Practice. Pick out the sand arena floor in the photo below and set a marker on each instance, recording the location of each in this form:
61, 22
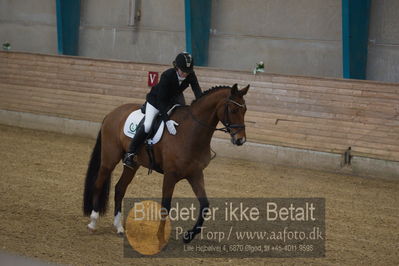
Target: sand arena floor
41, 186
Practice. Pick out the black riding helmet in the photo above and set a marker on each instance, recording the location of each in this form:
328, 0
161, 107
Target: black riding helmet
185, 62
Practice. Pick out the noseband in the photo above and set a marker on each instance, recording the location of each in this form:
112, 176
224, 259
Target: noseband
228, 127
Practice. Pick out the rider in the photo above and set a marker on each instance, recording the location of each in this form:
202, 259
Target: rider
165, 94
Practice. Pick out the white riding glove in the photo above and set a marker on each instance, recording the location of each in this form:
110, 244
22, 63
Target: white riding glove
170, 124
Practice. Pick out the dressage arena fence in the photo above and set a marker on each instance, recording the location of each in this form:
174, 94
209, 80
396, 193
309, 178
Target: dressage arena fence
323, 123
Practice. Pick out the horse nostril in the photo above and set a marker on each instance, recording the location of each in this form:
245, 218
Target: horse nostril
241, 141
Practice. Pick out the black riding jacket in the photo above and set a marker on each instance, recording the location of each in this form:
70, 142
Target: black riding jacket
165, 93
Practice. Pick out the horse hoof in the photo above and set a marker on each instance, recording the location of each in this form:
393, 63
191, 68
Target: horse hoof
91, 230
188, 237
187, 240
120, 231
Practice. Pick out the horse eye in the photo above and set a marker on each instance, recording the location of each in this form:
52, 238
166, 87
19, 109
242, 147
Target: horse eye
234, 111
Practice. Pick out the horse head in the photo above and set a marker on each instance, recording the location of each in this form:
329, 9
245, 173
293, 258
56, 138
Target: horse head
232, 112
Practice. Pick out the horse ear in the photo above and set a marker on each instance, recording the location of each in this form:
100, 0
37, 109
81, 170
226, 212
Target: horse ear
234, 89
244, 91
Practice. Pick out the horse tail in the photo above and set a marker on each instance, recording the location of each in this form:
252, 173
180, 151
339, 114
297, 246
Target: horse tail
91, 178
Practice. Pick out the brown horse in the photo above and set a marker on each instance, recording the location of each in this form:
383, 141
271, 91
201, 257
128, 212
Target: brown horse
184, 155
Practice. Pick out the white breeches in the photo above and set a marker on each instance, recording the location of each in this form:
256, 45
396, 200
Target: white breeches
150, 113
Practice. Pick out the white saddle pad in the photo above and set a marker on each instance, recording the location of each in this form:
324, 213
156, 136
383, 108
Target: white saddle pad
133, 120
132, 123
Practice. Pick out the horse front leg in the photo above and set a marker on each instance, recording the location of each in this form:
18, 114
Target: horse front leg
197, 184
169, 182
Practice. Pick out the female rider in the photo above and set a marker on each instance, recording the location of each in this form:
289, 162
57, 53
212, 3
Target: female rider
162, 96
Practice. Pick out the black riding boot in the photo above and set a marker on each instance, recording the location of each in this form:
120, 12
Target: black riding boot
134, 147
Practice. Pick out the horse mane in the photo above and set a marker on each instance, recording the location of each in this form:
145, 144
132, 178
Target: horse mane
210, 91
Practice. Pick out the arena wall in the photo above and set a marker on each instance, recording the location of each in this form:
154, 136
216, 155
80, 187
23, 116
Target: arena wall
291, 37
299, 121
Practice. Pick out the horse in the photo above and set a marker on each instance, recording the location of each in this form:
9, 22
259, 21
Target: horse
181, 156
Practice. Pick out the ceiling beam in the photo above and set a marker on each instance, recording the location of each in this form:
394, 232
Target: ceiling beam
68, 22
198, 21
355, 34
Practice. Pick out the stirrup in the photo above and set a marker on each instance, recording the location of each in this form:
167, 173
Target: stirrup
128, 160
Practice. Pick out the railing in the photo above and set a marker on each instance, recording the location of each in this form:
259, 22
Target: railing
320, 114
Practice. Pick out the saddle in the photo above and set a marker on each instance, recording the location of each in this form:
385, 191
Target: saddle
135, 120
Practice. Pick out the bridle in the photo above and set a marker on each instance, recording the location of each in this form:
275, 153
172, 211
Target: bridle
228, 127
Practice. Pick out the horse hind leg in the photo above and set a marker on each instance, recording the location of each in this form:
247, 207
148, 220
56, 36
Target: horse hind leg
100, 196
120, 190
101, 187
